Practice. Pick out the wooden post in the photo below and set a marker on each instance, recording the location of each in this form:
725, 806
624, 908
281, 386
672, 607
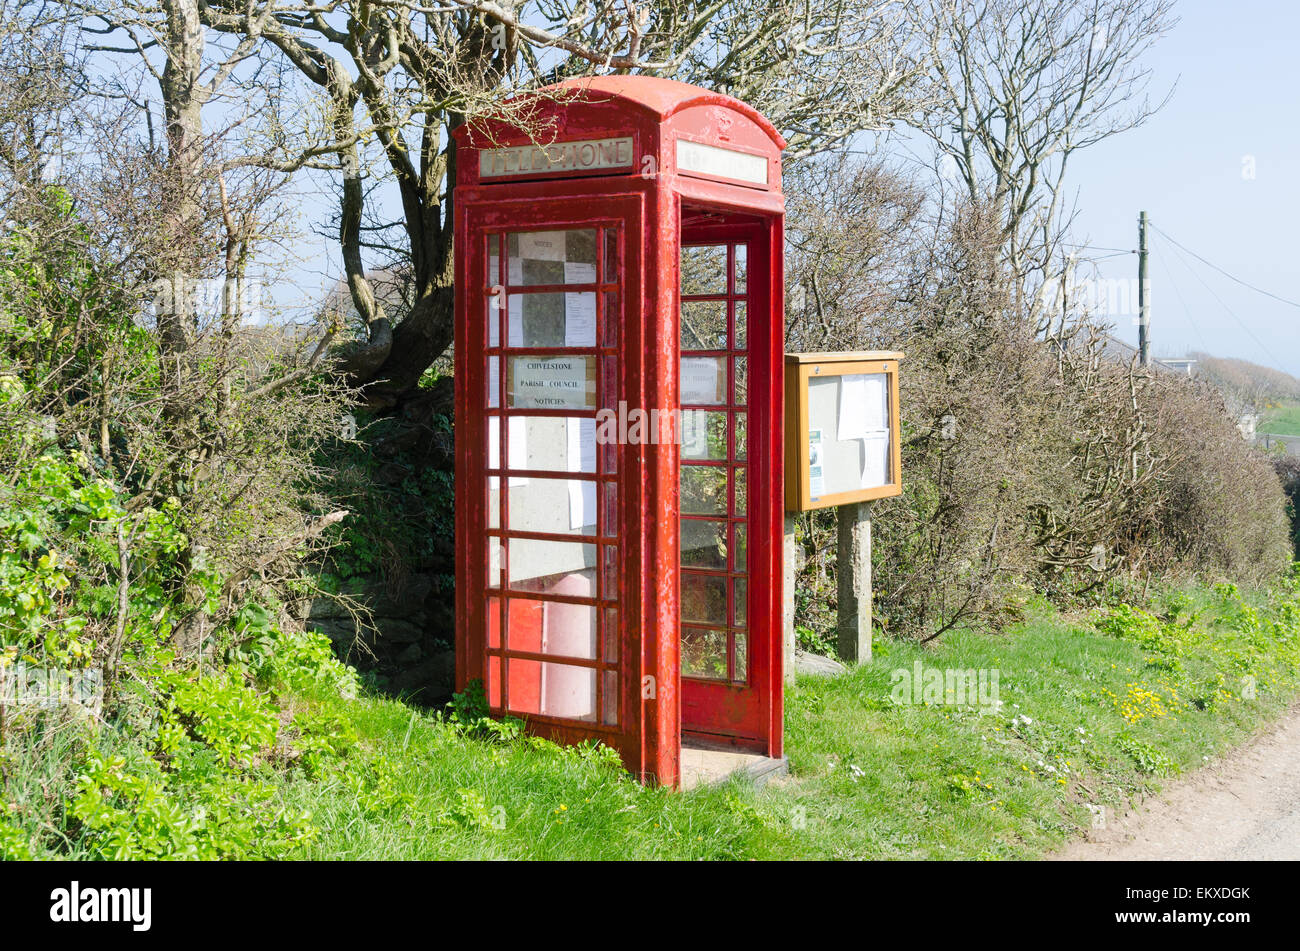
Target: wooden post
791, 571
853, 577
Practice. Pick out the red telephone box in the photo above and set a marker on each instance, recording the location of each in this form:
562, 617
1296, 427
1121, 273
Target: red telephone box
619, 343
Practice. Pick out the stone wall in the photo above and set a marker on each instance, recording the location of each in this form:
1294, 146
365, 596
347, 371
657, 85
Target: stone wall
398, 622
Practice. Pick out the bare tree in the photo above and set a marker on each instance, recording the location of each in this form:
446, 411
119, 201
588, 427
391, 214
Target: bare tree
821, 72
1022, 85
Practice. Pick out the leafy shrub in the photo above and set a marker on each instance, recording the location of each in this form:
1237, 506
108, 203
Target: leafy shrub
1146, 757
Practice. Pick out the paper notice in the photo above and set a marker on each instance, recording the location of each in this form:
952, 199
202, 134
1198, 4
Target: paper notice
877, 402
552, 382
701, 380
580, 319
853, 407
581, 455
542, 245
862, 406
579, 272
875, 465
581, 458
816, 478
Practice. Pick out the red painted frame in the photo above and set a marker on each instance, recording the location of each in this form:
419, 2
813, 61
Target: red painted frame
647, 200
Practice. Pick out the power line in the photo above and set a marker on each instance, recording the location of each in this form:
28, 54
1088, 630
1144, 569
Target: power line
1268, 355
1258, 290
1187, 311
1094, 247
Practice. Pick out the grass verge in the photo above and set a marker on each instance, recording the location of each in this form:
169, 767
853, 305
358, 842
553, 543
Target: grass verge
1282, 421
1093, 711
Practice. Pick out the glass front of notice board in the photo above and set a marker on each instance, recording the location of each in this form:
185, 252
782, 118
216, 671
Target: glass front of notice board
848, 434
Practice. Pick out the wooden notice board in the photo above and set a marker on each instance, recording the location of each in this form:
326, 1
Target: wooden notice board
842, 428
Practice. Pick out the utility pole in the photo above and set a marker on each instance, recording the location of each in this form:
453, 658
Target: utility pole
1144, 305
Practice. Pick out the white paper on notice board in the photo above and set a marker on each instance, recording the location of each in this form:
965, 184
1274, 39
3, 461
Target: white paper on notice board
877, 402
581, 458
816, 478
853, 407
862, 405
875, 465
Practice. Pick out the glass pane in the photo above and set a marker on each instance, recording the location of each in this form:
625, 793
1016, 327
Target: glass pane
496, 558
742, 267
493, 504
704, 599
548, 443
704, 325
704, 269
551, 382
552, 257
493, 275
494, 382
703, 380
524, 625
552, 320
742, 381
740, 671
742, 436
611, 635
703, 490
552, 627
494, 622
494, 683
741, 327
704, 543
547, 567
553, 506
609, 581
704, 434
739, 592
609, 381
739, 489
554, 690
704, 654
609, 514
611, 317
609, 698
738, 550
493, 320
608, 450
611, 255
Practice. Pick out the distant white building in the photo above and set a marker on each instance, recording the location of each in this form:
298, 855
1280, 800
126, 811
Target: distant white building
1181, 364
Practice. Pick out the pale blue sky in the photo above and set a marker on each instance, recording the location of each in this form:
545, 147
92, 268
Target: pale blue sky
1237, 68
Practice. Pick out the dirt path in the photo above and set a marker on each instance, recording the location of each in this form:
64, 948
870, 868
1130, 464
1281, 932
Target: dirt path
1244, 806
